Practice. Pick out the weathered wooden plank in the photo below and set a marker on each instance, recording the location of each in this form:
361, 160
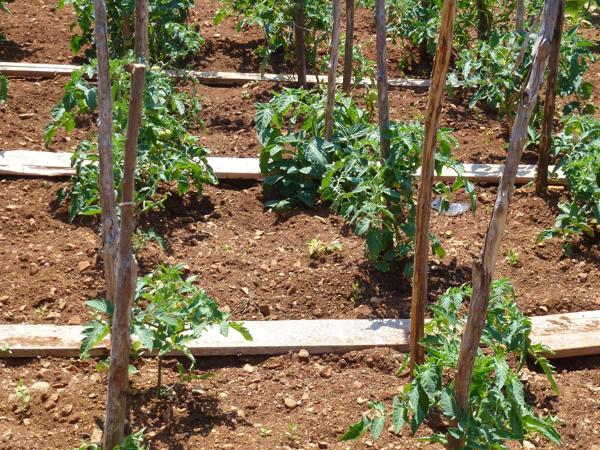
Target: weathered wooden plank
573, 334
208, 77
38, 163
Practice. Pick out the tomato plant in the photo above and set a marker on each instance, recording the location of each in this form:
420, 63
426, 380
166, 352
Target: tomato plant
578, 149
377, 197
169, 36
168, 312
169, 157
498, 409
276, 19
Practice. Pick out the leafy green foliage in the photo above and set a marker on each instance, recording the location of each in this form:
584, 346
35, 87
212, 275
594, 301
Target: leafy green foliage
134, 441
169, 157
578, 147
375, 196
498, 411
276, 19
22, 398
294, 154
169, 37
3, 6
3, 89
168, 312
487, 70
378, 198
318, 248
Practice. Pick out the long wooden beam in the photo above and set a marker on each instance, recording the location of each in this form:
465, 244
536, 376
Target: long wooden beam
567, 335
208, 77
48, 164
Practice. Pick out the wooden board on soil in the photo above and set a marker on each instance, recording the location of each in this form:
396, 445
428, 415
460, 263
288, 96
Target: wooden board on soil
209, 77
567, 335
37, 163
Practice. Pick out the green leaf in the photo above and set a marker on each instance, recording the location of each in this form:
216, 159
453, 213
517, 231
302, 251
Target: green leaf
240, 328
101, 305
398, 414
93, 333
377, 425
356, 430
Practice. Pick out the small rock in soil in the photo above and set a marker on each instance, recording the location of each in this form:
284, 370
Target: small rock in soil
33, 269
6, 436
290, 403
303, 355
40, 386
323, 445
265, 310
248, 368
528, 445
97, 436
326, 372
83, 265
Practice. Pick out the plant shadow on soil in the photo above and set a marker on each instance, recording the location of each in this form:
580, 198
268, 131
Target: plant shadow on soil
12, 51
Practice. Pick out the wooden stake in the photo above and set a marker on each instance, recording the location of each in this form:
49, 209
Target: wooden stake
541, 181
519, 16
110, 231
334, 50
483, 269
141, 30
299, 25
118, 377
382, 84
432, 120
349, 47
484, 20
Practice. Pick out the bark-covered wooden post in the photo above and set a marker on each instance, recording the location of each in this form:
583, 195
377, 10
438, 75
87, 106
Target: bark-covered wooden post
334, 50
483, 269
118, 377
541, 181
348, 46
382, 81
519, 16
432, 119
299, 26
141, 30
110, 227
484, 20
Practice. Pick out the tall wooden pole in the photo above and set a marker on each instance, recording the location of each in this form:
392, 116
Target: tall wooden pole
519, 16
141, 30
349, 46
299, 26
334, 51
382, 82
484, 268
541, 181
118, 377
432, 120
110, 230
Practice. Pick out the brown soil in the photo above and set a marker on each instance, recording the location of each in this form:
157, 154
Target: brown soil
258, 264
242, 407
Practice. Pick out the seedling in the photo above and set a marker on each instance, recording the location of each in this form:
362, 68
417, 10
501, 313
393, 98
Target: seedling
318, 248
265, 432
512, 257
292, 432
22, 398
142, 238
168, 312
134, 441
